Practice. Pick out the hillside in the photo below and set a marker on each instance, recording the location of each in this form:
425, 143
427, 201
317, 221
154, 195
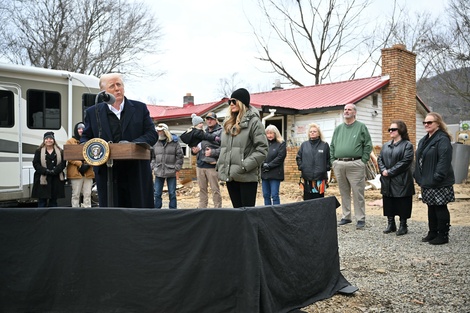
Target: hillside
436, 93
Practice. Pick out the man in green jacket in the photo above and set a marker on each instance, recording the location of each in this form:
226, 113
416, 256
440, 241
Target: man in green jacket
350, 150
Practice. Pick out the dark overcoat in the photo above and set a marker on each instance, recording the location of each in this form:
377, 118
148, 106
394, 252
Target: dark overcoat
55, 187
397, 159
132, 179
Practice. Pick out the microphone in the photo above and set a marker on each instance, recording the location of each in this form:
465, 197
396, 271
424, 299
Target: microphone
107, 97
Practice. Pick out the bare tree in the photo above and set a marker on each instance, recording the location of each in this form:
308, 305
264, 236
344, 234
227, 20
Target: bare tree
317, 33
448, 50
85, 36
228, 85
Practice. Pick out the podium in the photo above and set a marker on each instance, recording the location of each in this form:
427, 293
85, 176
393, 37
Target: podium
117, 151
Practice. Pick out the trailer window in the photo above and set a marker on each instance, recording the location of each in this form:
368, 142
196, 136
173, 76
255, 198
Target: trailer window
43, 109
7, 112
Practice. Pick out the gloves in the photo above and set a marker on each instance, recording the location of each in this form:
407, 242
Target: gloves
50, 172
266, 167
83, 168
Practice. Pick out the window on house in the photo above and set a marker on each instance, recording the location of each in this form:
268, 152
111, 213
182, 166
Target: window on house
375, 100
7, 113
43, 109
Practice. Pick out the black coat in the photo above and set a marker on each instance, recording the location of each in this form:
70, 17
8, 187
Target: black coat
313, 160
133, 178
275, 161
55, 187
435, 154
397, 159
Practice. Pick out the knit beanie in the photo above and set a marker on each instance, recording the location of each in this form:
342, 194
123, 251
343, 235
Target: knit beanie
49, 135
243, 95
196, 119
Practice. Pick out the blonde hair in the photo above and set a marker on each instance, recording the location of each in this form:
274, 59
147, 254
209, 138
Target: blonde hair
315, 125
273, 129
232, 121
105, 77
440, 122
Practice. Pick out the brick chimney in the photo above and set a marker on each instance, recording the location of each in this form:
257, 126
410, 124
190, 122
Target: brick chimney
188, 100
399, 97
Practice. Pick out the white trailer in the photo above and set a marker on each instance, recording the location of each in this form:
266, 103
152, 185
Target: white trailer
33, 101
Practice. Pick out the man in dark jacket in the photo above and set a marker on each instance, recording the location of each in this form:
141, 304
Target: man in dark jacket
207, 154
123, 121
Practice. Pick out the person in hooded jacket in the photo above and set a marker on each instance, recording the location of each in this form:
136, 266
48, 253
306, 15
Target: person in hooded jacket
79, 173
167, 161
434, 174
49, 163
273, 167
207, 152
397, 185
313, 161
243, 149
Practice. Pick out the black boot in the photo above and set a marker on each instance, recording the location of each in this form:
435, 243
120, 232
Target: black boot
391, 226
442, 233
403, 227
430, 236
432, 223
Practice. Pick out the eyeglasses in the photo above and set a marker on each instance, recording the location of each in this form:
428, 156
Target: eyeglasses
392, 129
428, 122
232, 101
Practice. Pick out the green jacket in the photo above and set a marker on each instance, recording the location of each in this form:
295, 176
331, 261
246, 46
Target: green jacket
242, 155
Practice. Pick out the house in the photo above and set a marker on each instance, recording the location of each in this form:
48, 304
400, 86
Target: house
379, 100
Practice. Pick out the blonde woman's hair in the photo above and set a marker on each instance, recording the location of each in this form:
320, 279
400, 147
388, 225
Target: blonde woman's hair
440, 122
315, 125
232, 121
273, 129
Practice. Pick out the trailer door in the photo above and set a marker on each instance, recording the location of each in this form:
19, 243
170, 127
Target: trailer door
10, 141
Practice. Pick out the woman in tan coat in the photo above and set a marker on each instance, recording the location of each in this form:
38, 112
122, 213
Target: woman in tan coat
79, 173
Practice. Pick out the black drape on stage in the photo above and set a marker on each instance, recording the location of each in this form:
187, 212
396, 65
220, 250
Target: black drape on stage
263, 259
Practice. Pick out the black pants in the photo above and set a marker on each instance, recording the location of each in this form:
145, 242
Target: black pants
242, 194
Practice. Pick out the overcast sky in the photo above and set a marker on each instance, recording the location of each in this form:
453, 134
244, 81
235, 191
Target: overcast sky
208, 40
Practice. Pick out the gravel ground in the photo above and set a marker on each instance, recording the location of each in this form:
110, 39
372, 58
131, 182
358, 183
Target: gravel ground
401, 274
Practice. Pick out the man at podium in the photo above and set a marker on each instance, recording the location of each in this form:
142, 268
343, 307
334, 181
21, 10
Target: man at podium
120, 120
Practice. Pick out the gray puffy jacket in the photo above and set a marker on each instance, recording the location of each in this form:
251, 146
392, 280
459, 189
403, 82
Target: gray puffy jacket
242, 155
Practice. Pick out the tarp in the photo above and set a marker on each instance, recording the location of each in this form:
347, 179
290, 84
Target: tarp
263, 259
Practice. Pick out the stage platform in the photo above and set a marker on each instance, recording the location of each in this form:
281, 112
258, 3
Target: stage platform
263, 259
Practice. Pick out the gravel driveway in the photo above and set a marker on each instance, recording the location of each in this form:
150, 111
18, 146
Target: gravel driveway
401, 274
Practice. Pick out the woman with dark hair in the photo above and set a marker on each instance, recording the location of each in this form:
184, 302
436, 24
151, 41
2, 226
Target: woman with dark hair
49, 180
397, 185
243, 149
434, 174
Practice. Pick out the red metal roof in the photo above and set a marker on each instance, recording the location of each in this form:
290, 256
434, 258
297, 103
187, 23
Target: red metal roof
320, 96
168, 112
301, 98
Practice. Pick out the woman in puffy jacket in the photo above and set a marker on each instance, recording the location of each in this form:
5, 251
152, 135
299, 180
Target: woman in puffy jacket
397, 185
243, 149
313, 161
273, 167
434, 174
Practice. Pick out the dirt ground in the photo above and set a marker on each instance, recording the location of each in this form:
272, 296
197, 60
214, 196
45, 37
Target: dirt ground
188, 195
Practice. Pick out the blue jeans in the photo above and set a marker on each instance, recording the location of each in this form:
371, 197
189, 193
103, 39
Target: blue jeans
42, 203
271, 191
171, 183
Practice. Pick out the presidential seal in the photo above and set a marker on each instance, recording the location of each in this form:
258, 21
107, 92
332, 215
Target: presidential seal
96, 151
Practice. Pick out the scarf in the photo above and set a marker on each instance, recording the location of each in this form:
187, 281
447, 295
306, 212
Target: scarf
43, 178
